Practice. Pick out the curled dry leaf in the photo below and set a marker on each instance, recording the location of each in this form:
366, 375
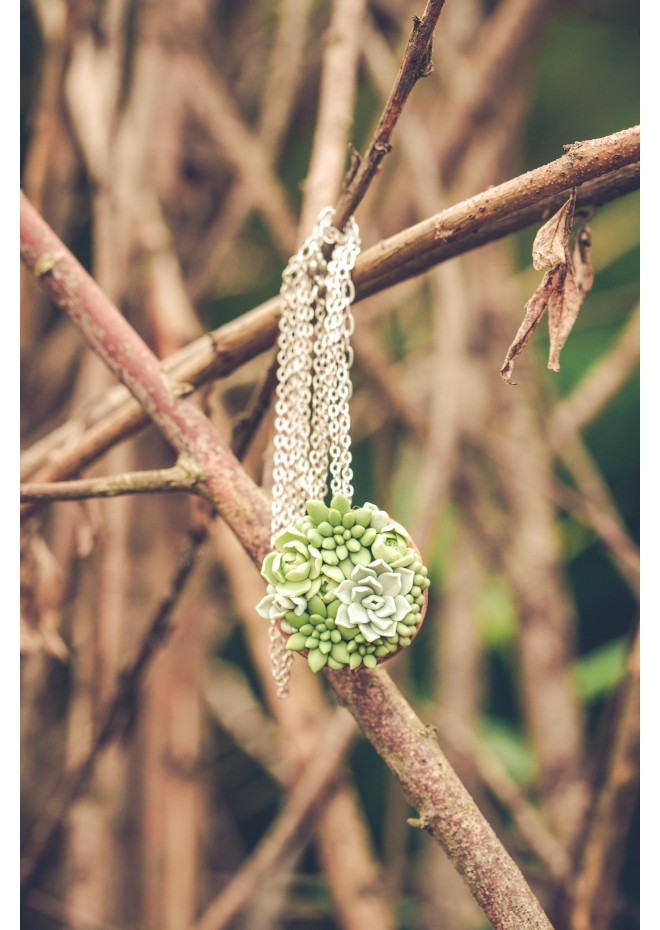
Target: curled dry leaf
552, 284
551, 241
562, 289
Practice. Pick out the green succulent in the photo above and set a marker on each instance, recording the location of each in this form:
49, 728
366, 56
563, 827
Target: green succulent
345, 585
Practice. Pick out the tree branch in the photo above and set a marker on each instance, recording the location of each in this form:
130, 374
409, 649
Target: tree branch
416, 64
446, 809
156, 481
488, 216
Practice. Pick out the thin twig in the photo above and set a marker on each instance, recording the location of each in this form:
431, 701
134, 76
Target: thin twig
415, 65
115, 717
155, 481
79, 442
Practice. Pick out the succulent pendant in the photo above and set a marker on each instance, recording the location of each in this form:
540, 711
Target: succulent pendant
347, 588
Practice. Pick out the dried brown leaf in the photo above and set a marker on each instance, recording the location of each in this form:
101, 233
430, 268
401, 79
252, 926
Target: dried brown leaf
581, 258
551, 243
563, 307
552, 282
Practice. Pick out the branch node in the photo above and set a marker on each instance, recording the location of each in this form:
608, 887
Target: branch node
46, 263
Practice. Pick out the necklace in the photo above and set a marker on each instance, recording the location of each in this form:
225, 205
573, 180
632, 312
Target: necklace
347, 587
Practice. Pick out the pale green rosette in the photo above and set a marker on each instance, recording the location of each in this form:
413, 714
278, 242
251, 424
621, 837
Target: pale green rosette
345, 585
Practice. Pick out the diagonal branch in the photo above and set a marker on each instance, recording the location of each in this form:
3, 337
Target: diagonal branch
412, 752
607, 168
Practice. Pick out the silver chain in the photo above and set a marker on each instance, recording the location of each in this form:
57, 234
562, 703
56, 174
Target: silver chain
312, 418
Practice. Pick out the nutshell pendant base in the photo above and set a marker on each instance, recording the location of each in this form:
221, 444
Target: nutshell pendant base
347, 587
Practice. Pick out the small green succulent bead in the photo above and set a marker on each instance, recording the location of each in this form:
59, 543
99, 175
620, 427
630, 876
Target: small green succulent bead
369, 536
332, 663
317, 511
328, 543
382, 651
311, 642
295, 642
363, 557
352, 545
359, 637
333, 609
336, 574
370, 661
424, 571
317, 620
342, 553
393, 640
371, 649
426, 583
324, 635
314, 537
334, 517
405, 641
325, 528
420, 600
357, 531
348, 519
335, 636
351, 646
363, 516
346, 567
307, 629
418, 579
316, 606
362, 650
341, 504
415, 590
340, 652
325, 647
392, 647
316, 660
330, 556
355, 660
296, 620
415, 609
351, 633
403, 629
330, 624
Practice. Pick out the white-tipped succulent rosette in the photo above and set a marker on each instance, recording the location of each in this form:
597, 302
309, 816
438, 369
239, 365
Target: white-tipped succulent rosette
347, 587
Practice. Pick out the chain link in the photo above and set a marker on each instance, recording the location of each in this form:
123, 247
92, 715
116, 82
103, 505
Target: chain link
312, 418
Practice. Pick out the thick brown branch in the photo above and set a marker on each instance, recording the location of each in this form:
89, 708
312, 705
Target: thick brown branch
446, 809
488, 216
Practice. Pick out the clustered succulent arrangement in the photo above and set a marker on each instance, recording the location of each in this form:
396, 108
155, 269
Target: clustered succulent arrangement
346, 586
